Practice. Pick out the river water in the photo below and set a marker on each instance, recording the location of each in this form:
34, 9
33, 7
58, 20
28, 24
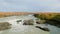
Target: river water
25, 29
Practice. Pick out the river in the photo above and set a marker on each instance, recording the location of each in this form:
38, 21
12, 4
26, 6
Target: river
26, 29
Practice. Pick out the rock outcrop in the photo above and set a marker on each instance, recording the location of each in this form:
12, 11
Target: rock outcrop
28, 22
18, 21
45, 29
40, 21
4, 25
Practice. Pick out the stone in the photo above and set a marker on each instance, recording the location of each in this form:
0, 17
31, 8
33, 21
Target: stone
45, 29
28, 22
4, 25
18, 21
38, 21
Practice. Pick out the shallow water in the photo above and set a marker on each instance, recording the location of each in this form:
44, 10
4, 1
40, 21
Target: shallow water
25, 29
54, 29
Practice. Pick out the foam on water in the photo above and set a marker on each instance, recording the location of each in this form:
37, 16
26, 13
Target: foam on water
20, 28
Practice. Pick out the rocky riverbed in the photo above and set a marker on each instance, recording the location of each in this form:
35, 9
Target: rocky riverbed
19, 28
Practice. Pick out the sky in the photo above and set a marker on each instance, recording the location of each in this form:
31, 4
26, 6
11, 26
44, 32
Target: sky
29, 5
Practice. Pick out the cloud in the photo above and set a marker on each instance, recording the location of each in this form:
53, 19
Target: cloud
30, 5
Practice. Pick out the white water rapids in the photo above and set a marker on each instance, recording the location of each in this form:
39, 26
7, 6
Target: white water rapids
19, 28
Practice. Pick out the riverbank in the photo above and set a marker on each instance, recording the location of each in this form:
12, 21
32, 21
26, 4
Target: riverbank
52, 19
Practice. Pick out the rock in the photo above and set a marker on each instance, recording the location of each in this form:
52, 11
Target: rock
28, 22
45, 29
18, 21
4, 25
38, 21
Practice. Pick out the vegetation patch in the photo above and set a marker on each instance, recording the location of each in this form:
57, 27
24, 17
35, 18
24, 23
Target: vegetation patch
52, 19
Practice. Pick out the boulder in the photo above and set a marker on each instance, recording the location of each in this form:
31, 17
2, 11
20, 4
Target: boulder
4, 25
28, 22
18, 21
38, 21
45, 29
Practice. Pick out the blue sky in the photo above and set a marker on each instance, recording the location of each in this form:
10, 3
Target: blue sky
30, 5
